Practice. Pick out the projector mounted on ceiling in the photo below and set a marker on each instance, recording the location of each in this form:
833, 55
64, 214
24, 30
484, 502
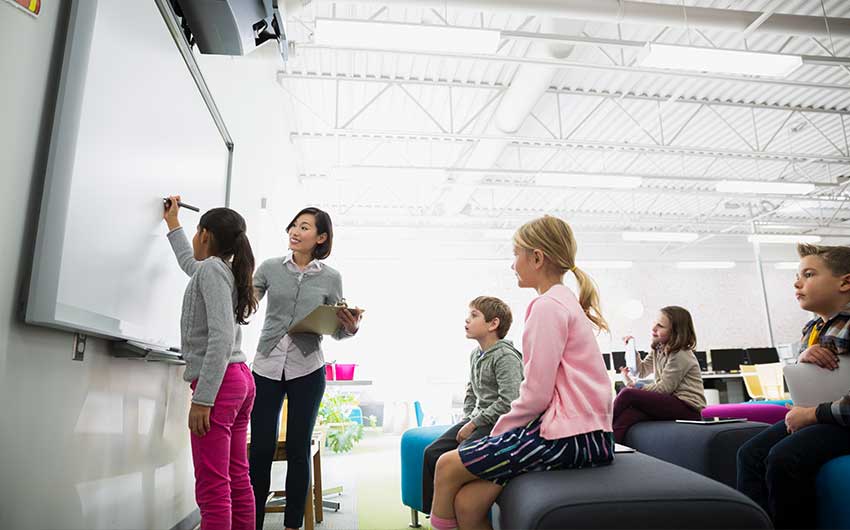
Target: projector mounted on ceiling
231, 27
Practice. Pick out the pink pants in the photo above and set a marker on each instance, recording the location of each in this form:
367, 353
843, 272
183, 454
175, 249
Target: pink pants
222, 486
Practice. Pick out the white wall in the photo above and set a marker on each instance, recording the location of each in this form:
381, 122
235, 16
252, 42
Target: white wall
83, 445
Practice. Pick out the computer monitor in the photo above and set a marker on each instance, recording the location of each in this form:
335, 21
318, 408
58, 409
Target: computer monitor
727, 360
607, 358
702, 360
762, 355
619, 359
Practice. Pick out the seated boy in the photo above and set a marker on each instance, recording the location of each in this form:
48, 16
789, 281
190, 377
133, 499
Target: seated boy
495, 376
777, 468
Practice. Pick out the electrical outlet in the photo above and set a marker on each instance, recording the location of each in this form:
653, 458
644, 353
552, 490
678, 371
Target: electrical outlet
79, 346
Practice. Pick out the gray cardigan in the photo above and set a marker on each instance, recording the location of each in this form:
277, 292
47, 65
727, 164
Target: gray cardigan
209, 337
291, 298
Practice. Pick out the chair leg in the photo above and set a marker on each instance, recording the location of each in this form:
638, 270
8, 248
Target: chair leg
317, 486
309, 517
414, 518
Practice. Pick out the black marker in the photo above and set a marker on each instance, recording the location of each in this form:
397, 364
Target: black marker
167, 202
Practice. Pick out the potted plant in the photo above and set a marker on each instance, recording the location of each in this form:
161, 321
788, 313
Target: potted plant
342, 433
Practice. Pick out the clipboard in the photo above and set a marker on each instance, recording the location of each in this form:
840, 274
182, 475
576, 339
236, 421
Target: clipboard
322, 320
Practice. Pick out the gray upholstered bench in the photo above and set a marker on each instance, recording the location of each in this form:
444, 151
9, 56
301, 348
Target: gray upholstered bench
636, 491
710, 450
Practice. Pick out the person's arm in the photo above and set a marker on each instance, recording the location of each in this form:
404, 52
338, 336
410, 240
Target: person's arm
544, 339
671, 376
216, 292
261, 282
177, 237
469, 401
646, 365
508, 379
183, 251
837, 412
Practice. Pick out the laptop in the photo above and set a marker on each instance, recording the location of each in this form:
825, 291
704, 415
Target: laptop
811, 385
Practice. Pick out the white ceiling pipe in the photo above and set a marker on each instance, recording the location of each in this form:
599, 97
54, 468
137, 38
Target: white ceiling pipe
527, 87
630, 12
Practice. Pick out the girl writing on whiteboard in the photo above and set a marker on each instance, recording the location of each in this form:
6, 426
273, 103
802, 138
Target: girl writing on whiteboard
677, 393
292, 365
218, 299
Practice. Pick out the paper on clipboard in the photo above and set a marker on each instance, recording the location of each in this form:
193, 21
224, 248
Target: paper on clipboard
631, 356
321, 321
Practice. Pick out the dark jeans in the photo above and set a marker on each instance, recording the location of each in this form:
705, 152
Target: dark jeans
442, 445
305, 396
633, 406
777, 470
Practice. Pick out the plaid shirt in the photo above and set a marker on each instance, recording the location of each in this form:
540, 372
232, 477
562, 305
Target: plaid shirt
834, 335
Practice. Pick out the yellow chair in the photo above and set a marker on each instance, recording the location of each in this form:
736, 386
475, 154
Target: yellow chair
770, 377
752, 381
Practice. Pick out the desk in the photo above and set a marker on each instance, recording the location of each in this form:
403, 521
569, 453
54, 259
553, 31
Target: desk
730, 386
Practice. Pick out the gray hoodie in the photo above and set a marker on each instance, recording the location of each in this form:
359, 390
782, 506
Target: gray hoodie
494, 379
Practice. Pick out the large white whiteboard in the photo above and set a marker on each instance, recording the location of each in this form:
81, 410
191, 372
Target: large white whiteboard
130, 127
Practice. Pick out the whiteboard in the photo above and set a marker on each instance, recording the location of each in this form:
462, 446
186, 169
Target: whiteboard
131, 126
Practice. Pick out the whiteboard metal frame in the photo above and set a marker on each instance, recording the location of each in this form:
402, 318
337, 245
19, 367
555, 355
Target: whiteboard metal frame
42, 300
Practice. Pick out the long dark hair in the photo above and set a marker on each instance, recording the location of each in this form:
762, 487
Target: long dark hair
230, 241
323, 226
683, 336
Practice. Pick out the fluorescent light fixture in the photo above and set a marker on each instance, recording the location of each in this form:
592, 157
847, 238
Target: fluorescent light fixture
782, 238
605, 264
705, 265
716, 60
572, 180
664, 237
778, 188
408, 37
787, 265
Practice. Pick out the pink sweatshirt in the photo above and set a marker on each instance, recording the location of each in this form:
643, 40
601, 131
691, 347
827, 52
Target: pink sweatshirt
565, 377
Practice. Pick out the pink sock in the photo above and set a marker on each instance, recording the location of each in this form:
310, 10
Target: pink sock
438, 523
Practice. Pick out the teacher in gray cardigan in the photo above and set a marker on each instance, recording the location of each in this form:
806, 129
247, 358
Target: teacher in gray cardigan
292, 365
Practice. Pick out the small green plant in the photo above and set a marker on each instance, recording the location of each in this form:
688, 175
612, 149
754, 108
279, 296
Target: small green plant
373, 421
343, 433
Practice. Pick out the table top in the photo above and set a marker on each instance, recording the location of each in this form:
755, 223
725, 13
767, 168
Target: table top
356, 382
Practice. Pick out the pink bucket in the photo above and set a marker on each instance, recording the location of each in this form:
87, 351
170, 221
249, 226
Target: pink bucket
329, 371
344, 372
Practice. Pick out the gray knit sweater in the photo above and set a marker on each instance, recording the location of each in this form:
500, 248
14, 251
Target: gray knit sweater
209, 337
292, 297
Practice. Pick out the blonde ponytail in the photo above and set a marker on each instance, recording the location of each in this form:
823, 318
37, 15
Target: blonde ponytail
588, 297
555, 239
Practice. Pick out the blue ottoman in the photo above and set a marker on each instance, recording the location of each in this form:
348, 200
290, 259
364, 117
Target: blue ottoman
833, 482
413, 444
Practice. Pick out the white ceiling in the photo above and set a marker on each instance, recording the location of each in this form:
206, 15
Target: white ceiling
409, 121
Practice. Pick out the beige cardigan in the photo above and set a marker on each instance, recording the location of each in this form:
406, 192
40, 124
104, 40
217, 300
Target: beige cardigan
677, 374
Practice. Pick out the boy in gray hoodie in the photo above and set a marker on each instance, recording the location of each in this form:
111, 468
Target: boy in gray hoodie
494, 379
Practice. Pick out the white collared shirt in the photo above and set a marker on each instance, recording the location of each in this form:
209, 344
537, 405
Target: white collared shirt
286, 360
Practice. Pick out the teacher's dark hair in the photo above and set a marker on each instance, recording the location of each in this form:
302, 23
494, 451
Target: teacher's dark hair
323, 226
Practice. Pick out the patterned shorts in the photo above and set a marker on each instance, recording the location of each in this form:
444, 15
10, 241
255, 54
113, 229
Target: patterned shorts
522, 450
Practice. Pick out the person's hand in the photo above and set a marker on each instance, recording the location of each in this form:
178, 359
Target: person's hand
799, 417
350, 319
170, 210
821, 356
199, 419
627, 338
627, 378
465, 432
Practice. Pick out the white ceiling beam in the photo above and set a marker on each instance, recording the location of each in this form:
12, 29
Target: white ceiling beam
681, 99
548, 143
